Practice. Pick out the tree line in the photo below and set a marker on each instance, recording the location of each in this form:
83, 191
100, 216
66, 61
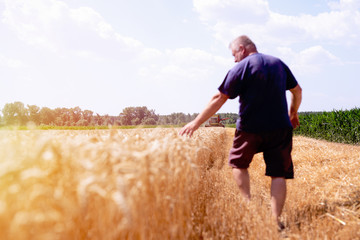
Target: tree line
337, 126
18, 114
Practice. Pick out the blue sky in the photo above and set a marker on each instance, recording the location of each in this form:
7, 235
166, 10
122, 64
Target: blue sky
171, 56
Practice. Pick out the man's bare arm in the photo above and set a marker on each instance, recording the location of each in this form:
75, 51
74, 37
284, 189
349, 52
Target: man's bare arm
296, 97
213, 106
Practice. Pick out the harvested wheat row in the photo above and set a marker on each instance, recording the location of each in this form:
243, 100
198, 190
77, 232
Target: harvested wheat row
134, 184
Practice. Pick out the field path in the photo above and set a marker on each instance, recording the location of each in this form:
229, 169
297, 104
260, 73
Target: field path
323, 201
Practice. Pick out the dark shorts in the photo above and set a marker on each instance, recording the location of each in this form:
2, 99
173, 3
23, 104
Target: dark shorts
275, 145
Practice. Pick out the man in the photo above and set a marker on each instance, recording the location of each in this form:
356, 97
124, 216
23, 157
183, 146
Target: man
265, 125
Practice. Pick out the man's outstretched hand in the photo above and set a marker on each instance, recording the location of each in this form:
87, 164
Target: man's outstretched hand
189, 129
213, 106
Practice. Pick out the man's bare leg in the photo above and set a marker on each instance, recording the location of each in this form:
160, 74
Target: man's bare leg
278, 196
242, 179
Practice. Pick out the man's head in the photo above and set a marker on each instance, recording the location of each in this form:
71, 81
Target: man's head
241, 47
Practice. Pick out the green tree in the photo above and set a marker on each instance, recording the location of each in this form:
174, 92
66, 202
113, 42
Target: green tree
106, 120
136, 115
66, 116
15, 113
47, 116
148, 121
88, 115
75, 115
135, 121
34, 114
62, 116
82, 122
97, 120
163, 120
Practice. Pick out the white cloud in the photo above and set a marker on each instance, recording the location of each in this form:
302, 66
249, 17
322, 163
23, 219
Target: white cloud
130, 42
308, 61
53, 25
31, 20
189, 56
86, 16
232, 10
10, 63
183, 65
185, 76
332, 26
344, 5
230, 18
88, 55
151, 54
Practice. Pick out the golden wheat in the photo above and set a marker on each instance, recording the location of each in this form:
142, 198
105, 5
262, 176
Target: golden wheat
154, 184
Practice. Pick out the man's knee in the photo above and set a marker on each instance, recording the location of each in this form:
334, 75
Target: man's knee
240, 171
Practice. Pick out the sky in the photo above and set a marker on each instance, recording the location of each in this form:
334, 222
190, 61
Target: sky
171, 56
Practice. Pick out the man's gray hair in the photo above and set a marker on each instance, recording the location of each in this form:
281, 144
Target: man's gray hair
242, 40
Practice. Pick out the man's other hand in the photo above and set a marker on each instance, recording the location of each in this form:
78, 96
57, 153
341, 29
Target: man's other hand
294, 119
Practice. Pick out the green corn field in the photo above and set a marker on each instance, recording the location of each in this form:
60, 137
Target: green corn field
337, 126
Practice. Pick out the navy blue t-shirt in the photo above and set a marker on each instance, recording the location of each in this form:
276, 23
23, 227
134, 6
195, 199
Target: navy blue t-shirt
261, 82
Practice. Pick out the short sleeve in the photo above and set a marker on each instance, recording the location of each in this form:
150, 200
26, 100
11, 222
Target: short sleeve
290, 79
231, 85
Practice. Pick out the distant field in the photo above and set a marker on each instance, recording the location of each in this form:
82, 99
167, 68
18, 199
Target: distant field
153, 184
50, 127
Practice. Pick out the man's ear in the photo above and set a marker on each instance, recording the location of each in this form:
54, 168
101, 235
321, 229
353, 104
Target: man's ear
242, 49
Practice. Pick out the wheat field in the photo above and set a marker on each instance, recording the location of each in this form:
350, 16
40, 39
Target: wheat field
154, 184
